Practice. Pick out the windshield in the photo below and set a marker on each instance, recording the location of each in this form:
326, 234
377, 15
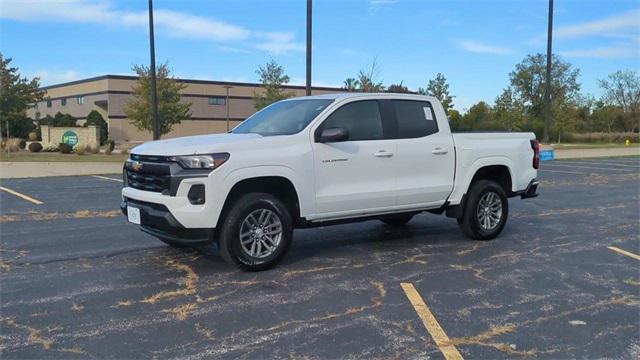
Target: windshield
283, 118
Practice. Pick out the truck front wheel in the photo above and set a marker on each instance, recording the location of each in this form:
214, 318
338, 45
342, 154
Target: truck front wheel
485, 211
256, 232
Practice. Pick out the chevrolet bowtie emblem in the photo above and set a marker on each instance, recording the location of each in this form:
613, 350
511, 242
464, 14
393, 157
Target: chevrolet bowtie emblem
136, 165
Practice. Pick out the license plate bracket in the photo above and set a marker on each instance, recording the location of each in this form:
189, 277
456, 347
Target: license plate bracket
133, 215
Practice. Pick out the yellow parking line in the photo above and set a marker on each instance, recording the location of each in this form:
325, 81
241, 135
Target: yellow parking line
442, 340
22, 196
106, 178
624, 252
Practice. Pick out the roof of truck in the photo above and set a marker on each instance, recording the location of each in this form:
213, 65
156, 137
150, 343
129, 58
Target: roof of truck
340, 96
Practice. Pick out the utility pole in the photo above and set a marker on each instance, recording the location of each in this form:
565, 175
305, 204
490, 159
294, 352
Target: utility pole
152, 68
547, 92
309, 16
226, 101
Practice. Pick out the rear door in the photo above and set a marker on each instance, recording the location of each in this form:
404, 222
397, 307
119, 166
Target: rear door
354, 177
425, 161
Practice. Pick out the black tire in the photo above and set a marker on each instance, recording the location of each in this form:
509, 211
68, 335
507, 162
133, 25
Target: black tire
231, 248
397, 220
470, 224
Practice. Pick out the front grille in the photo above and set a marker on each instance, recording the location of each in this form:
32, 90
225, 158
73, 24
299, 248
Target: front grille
147, 182
149, 173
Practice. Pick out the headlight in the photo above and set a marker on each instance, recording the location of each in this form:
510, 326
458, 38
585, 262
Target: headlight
201, 161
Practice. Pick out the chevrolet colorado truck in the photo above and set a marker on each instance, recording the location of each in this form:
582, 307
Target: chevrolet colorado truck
322, 160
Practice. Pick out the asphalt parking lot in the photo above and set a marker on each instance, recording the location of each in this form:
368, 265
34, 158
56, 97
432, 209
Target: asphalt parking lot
560, 282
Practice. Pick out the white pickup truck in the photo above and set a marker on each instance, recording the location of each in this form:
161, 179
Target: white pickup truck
323, 160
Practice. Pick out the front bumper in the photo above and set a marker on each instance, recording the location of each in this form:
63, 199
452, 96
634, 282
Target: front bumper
158, 221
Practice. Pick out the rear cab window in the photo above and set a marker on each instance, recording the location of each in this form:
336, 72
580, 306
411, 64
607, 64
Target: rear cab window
415, 118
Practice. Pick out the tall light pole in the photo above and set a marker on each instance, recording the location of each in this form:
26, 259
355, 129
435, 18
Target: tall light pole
226, 101
152, 69
309, 13
547, 92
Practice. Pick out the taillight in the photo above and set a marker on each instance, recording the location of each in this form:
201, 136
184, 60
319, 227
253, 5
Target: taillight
535, 145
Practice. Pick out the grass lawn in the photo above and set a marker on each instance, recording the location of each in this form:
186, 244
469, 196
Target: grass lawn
57, 157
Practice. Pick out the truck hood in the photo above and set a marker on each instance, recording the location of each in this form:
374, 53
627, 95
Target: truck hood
190, 145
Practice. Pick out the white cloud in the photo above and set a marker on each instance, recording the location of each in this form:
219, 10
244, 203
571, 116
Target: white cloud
48, 77
610, 26
277, 43
482, 48
616, 51
174, 23
382, 2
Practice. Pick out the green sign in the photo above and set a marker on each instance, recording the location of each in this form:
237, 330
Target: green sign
70, 138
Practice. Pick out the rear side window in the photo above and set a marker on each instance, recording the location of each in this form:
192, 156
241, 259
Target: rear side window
415, 118
361, 118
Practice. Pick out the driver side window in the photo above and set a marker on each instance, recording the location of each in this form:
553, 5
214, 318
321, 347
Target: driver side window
361, 119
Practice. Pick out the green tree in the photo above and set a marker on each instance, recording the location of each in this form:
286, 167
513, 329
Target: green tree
455, 120
95, 118
528, 82
479, 117
508, 111
17, 94
607, 117
398, 88
439, 88
368, 79
350, 84
171, 110
622, 89
272, 77
565, 117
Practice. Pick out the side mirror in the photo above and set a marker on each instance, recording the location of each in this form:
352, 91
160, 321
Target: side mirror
336, 134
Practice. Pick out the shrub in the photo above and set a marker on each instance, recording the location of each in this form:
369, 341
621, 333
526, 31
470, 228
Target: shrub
13, 144
22, 144
94, 118
602, 137
35, 147
59, 120
65, 148
107, 150
33, 136
19, 127
50, 148
94, 149
110, 144
81, 149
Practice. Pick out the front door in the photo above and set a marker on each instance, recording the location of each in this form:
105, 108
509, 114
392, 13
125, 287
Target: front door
355, 177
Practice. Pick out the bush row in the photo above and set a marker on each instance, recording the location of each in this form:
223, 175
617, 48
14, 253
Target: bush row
602, 137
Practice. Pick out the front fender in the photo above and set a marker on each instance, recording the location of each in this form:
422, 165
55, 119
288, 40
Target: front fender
237, 175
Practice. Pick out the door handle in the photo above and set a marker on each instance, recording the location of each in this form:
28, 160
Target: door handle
439, 151
383, 153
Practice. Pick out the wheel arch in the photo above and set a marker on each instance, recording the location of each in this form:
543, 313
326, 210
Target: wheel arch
277, 185
500, 174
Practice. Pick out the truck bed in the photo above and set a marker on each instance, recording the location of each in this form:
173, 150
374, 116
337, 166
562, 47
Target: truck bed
477, 149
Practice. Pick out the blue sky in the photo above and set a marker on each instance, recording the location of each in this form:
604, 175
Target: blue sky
474, 43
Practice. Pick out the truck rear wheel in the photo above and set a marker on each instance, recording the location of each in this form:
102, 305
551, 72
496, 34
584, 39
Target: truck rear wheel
256, 232
485, 211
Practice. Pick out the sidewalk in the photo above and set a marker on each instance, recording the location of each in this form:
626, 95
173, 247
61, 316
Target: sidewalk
14, 170
588, 153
